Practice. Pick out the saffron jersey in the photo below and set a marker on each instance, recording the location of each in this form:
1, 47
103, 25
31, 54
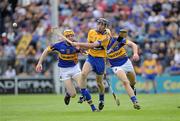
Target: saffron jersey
94, 36
150, 66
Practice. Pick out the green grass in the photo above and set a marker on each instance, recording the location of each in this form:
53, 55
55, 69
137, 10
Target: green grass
161, 107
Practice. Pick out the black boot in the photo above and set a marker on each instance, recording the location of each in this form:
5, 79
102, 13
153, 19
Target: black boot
101, 105
67, 99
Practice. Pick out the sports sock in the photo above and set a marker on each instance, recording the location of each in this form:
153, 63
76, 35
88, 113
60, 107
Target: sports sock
87, 96
133, 99
101, 97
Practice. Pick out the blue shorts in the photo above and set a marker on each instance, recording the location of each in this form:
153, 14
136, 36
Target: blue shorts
150, 76
97, 63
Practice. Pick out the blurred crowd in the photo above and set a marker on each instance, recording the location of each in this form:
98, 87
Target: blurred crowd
153, 24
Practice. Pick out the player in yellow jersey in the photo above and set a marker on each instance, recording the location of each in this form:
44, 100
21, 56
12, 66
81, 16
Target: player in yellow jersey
96, 59
149, 71
119, 61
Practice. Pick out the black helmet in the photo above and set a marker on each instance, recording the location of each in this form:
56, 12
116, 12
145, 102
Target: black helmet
103, 21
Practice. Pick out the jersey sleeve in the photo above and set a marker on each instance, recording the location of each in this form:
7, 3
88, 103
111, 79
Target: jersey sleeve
123, 41
103, 43
90, 36
53, 47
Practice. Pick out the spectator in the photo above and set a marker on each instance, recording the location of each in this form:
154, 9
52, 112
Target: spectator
10, 72
152, 24
149, 73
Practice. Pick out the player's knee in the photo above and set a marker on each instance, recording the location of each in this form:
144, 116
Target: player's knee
100, 85
83, 75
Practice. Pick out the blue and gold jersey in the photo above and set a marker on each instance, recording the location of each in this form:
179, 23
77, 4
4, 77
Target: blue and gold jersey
94, 36
118, 56
67, 54
149, 66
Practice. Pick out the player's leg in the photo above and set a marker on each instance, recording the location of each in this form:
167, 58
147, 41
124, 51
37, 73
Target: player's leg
154, 86
154, 83
83, 83
83, 79
132, 78
99, 79
64, 77
147, 81
71, 91
99, 68
122, 76
129, 69
77, 78
84, 73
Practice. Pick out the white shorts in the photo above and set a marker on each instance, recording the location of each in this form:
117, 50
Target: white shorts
127, 67
69, 73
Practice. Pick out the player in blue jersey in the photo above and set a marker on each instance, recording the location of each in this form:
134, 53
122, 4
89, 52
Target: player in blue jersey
119, 61
69, 69
121, 64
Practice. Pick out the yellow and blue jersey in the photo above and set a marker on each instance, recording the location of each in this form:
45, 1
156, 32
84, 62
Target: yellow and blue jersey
150, 69
118, 55
67, 54
94, 36
149, 66
96, 55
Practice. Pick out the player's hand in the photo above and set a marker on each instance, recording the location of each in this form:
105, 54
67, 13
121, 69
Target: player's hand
107, 37
135, 57
84, 52
74, 43
39, 67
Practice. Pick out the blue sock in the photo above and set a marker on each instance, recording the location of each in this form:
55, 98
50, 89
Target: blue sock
85, 93
93, 107
101, 97
133, 99
87, 97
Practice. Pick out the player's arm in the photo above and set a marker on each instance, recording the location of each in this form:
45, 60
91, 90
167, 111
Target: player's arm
89, 44
135, 50
143, 67
122, 34
119, 39
86, 45
44, 54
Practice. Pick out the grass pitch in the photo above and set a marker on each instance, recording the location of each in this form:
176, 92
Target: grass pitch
160, 107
